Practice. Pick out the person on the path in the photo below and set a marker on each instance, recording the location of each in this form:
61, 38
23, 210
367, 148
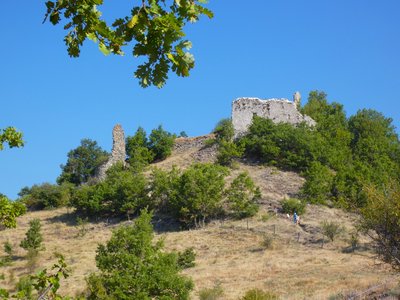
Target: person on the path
295, 218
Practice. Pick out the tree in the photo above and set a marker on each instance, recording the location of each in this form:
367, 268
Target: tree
154, 27
242, 196
46, 195
139, 155
9, 211
199, 194
12, 137
33, 237
82, 163
132, 266
380, 220
161, 143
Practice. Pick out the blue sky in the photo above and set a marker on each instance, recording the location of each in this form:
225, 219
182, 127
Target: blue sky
349, 49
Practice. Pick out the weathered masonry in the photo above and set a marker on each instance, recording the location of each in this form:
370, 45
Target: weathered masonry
118, 153
277, 110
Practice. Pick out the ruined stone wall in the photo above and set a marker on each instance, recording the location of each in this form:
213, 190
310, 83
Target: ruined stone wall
278, 110
118, 153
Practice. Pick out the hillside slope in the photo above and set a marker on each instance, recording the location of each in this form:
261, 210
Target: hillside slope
231, 253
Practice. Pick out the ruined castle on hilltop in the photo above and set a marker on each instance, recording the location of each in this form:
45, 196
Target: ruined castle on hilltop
243, 110
277, 110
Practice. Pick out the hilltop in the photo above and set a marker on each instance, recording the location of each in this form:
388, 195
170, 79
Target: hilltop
235, 254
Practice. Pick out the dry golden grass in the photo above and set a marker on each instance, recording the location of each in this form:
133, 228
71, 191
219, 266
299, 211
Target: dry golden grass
230, 252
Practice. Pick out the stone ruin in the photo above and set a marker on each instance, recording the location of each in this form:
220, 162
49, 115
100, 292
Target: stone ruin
118, 153
277, 110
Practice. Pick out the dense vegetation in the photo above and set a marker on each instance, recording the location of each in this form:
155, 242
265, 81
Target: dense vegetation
193, 196
338, 157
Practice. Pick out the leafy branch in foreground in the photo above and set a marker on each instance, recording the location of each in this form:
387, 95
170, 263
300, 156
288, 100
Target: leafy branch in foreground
46, 284
12, 137
154, 27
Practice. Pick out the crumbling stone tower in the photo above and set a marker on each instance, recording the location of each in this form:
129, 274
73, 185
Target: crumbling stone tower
118, 153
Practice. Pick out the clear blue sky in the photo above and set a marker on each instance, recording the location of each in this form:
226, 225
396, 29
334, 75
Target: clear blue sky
261, 48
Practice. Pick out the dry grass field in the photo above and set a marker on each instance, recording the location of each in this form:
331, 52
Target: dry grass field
237, 255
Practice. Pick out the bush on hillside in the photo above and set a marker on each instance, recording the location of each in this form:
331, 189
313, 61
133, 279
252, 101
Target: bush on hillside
124, 191
242, 196
292, 205
132, 266
199, 194
161, 143
257, 294
331, 229
46, 195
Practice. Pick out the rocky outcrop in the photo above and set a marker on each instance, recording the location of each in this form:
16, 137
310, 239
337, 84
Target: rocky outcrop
118, 153
277, 110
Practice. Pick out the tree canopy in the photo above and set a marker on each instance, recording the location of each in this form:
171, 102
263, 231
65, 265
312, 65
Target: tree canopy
154, 28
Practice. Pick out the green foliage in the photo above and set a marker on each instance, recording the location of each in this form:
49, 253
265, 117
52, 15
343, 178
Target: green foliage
133, 267
242, 196
224, 130
139, 155
46, 196
292, 205
199, 194
12, 137
338, 157
8, 249
318, 187
82, 163
257, 294
283, 145
124, 191
161, 143
228, 151
33, 237
186, 258
155, 28
380, 220
9, 211
213, 293
331, 229
81, 223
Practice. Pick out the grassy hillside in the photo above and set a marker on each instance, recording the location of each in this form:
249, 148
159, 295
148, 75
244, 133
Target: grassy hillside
236, 254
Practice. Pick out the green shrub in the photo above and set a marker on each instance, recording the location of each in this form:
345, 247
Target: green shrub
161, 143
331, 229
132, 266
242, 196
81, 223
257, 294
318, 185
46, 196
227, 152
33, 237
268, 241
186, 258
213, 293
224, 130
292, 205
139, 155
124, 191
8, 249
25, 288
199, 193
